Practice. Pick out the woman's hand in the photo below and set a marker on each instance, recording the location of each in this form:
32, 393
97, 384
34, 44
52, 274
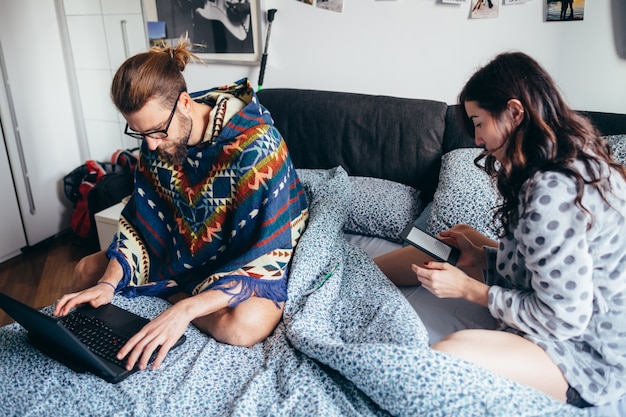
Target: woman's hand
100, 294
447, 281
442, 279
471, 255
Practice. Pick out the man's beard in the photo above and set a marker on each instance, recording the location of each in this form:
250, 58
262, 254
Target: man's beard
177, 153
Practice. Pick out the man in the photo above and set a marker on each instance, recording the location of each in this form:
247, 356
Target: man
216, 211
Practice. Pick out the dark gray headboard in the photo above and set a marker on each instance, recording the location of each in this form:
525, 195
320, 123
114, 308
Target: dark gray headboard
608, 123
398, 139
378, 136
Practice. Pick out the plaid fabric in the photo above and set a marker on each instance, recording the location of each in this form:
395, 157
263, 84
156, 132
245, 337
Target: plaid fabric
231, 214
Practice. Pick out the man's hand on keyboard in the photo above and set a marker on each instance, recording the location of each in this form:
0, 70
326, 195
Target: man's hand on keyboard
96, 296
161, 333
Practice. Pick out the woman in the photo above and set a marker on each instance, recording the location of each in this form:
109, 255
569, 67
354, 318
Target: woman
557, 278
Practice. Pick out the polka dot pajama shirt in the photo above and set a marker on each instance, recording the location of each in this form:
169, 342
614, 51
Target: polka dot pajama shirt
562, 284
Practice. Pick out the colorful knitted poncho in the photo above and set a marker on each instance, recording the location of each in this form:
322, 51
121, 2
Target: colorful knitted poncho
231, 214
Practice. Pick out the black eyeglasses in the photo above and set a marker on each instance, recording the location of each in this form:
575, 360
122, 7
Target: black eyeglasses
155, 134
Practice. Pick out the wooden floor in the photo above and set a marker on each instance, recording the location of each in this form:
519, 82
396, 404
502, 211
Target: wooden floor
40, 275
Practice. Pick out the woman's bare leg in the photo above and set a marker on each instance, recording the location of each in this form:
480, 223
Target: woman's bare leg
397, 264
508, 355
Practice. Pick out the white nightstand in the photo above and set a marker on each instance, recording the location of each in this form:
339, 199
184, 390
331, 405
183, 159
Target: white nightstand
106, 223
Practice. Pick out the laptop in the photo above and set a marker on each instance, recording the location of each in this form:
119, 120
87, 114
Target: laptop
86, 340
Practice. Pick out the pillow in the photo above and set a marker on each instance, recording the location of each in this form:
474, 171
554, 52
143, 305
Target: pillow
312, 177
378, 207
618, 145
381, 208
465, 194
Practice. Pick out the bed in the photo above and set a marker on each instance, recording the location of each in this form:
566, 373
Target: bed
355, 345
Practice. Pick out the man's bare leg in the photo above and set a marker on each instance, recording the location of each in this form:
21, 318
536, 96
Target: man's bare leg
89, 270
250, 322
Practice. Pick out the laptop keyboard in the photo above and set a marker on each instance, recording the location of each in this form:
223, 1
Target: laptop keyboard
96, 335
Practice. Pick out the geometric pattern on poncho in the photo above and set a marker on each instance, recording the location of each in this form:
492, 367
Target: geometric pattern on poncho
231, 214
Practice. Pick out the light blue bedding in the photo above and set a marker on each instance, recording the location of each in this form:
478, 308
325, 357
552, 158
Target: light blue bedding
354, 347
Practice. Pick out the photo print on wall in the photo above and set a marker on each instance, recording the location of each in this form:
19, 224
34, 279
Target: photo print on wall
565, 10
485, 9
332, 5
225, 31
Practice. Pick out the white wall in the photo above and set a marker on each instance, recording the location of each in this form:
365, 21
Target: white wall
426, 49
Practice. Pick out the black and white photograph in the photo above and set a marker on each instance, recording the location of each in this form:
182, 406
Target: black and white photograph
332, 5
221, 30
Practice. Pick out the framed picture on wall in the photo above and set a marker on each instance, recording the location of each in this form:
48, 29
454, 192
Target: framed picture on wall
223, 31
565, 10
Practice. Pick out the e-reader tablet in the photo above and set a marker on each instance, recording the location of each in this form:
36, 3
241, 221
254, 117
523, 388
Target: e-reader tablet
431, 245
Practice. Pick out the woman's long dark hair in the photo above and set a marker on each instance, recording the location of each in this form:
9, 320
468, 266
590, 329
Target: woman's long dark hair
550, 137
